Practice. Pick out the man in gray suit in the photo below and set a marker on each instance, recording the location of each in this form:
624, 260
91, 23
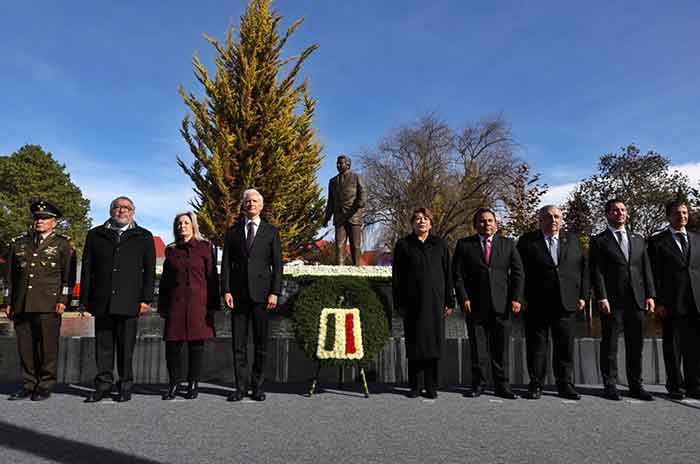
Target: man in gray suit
346, 199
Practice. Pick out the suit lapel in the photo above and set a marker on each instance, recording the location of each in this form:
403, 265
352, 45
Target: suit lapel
611, 242
670, 243
240, 237
563, 246
475, 245
693, 245
543, 247
259, 233
495, 248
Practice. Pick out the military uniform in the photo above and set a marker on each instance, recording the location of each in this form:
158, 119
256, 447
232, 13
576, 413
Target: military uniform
40, 275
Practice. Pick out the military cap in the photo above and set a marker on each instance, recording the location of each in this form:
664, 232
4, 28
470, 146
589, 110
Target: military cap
44, 209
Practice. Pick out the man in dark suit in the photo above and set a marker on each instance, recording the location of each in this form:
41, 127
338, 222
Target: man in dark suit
675, 259
116, 287
40, 278
624, 291
346, 199
488, 276
251, 274
556, 286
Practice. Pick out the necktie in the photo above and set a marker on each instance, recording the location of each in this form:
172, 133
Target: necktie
553, 250
684, 243
251, 235
37, 240
624, 246
487, 250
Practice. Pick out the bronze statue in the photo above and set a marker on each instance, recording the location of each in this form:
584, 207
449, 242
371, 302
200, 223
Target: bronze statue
346, 199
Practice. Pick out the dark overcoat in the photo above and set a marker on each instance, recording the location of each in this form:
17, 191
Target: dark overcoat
118, 273
189, 291
39, 278
422, 288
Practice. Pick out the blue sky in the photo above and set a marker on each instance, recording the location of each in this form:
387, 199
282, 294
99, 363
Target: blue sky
96, 82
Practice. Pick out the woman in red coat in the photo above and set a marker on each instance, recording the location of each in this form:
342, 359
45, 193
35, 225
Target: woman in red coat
188, 297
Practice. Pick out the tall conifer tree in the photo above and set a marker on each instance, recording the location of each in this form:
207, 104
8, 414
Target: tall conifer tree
253, 129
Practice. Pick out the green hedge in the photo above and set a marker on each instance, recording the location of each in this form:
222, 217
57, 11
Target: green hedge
318, 292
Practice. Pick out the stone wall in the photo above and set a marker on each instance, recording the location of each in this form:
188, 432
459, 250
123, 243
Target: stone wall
287, 363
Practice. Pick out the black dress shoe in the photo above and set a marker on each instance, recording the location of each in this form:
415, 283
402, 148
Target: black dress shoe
413, 393
123, 397
610, 392
236, 395
41, 394
171, 393
676, 394
20, 394
477, 390
534, 392
505, 392
693, 393
567, 391
641, 394
97, 395
192, 390
431, 394
258, 396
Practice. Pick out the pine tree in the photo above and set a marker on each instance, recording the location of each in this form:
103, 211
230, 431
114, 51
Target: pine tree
253, 129
31, 173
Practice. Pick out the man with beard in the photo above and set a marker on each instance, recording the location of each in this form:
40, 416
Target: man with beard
116, 288
624, 290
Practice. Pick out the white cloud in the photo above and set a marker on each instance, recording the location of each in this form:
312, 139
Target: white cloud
692, 170
158, 193
557, 194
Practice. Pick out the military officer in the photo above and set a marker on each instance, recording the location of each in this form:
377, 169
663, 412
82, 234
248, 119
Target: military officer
40, 275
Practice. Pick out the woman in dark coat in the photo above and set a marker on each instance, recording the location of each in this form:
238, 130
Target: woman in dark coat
187, 300
422, 288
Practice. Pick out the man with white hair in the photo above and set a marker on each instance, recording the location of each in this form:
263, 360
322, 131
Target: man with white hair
556, 286
251, 279
116, 287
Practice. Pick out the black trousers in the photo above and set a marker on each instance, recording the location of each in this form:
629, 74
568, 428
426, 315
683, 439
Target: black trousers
354, 233
632, 322
245, 314
489, 334
690, 348
175, 355
423, 373
537, 329
115, 334
671, 345
37, 343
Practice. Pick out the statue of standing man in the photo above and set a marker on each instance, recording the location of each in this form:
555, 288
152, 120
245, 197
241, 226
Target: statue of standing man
346, 199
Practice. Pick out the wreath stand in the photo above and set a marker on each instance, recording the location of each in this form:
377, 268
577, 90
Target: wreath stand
363, 378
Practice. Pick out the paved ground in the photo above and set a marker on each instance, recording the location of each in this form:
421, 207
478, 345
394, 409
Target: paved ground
344, 427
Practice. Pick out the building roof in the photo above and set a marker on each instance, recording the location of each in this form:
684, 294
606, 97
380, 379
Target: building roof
160, 246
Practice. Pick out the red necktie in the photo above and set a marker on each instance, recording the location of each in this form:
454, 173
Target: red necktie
487, 250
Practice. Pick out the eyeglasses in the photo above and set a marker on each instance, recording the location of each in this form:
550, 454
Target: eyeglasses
122, 208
